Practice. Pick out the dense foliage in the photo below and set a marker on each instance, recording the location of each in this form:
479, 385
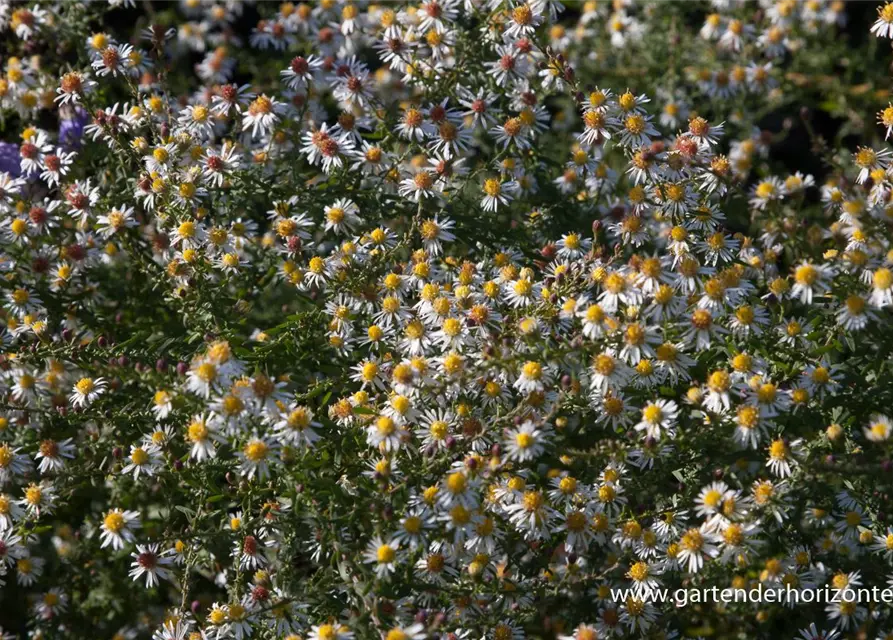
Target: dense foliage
443, 319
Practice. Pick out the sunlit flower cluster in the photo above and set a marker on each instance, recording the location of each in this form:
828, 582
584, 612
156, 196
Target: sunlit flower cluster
442, 320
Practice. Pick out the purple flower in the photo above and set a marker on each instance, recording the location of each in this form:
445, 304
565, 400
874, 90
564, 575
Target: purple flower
71, 130
10, 159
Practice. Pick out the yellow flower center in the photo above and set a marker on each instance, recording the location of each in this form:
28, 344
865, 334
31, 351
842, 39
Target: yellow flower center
882, 279
627, 101
492, 187
197, 431
533, 370
733, 535
778, 450
765, 190
6, 456
139, 456
114, 521
370, 370
385, 426
702, 319
638, 571
692, 540
33, 494
85, 386
524, 440
806, 274
206, 372
256, 450
652, 413
865, 157
635, 124
532, 501
385, 554
719, 381
748, 417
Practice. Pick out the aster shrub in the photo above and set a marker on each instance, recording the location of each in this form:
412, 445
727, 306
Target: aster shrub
484, 319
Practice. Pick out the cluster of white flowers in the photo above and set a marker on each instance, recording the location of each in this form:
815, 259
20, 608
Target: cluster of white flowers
413, 322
